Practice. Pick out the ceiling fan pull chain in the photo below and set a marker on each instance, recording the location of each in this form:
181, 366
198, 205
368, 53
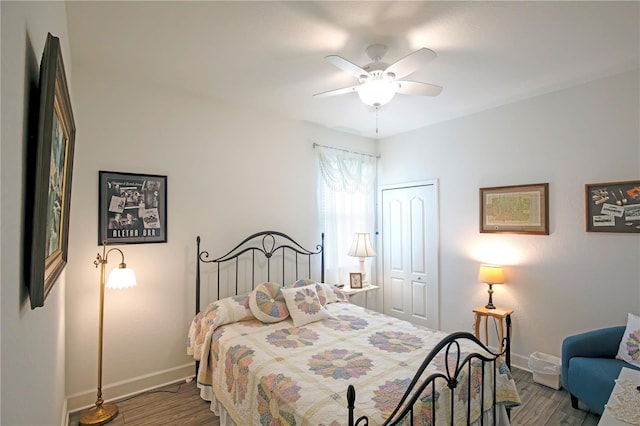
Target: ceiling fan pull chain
377, 121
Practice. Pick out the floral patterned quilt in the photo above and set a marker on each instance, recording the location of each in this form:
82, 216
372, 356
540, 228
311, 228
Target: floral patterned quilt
278, 374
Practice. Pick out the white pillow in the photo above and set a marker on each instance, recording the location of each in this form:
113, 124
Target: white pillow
323, 293
267, 303
304, 305
332, 297
629, 349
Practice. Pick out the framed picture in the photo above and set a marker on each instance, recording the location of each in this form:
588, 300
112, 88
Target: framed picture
355, 280
49, 171
132, 208
517, 209
613, 207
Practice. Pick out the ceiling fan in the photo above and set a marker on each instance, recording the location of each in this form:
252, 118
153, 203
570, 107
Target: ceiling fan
379, 81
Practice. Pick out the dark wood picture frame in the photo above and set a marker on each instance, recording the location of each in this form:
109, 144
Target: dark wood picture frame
132, 208
49, 175
515, 209
613, 207
355, 280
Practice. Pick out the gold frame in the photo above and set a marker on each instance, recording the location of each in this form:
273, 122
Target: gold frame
355, 280
612, 207
515, 209
49, 171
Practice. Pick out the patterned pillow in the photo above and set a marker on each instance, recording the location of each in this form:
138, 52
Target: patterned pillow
303, 282
629, 349
332, 297
304, 305
322, 292
267, 303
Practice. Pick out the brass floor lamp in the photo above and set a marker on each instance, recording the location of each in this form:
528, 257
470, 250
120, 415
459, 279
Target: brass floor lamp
120, 277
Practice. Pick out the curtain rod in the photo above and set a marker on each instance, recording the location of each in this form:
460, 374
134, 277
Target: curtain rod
345, 150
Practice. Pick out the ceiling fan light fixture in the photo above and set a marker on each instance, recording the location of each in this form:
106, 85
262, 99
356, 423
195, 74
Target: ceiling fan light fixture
377, 93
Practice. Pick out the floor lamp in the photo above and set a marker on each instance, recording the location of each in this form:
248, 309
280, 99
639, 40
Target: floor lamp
120, 277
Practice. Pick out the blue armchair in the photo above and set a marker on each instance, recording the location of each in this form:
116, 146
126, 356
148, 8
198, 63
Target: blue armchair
590, 367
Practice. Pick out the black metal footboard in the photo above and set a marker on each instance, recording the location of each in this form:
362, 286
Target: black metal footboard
456, 375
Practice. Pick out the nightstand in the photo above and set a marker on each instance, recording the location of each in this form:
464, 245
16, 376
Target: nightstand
498, 313
348, 291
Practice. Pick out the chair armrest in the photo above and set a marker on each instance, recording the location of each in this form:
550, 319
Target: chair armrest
601, 343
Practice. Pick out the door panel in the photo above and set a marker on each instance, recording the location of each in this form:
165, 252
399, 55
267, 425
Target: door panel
410, 241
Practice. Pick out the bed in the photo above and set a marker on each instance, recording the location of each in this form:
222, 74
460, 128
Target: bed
278, 346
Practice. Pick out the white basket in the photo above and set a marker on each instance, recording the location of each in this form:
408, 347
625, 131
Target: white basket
546, 369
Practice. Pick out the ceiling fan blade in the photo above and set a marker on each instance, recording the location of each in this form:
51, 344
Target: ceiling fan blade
411, 62
346, 66
417, 88
336, 92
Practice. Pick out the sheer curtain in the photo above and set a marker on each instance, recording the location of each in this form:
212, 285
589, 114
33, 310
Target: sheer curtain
346, 195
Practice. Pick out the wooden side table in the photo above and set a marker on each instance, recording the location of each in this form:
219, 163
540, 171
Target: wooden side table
498, 313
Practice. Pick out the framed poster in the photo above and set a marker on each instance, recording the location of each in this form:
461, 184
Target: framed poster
613, 207
49, 172
517, 209
132, 208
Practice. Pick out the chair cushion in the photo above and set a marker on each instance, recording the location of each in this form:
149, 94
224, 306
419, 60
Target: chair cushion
591, 380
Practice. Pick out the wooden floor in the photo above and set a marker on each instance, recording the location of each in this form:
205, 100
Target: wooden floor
180, 404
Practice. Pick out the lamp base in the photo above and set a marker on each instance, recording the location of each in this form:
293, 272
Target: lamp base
490, 306
99, 415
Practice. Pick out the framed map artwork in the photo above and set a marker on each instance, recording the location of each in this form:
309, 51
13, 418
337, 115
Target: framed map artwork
517, 209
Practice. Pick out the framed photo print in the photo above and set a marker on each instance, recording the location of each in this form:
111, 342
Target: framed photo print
132, 208
355, 280
49, 172
613, 207
517, 209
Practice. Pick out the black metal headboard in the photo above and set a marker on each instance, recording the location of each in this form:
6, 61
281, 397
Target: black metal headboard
263, 246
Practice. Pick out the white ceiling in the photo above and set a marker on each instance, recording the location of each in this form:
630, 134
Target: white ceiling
270, 55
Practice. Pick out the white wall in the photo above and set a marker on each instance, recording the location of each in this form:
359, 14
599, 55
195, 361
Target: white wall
231, 172
33, 351
560, 284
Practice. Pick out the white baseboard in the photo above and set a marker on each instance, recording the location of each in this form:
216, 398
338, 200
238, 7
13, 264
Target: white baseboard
129, 387
519, 361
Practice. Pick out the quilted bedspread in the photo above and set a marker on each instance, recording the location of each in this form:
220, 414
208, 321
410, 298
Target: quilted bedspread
278, 374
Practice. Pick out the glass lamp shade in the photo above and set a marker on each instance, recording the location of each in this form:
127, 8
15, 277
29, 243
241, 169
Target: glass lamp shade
491, 274
376, 93
121, 277
361, 246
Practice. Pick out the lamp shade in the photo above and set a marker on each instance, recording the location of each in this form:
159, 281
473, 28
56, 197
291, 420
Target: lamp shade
491, 274
361, 246
121, 277
376, 93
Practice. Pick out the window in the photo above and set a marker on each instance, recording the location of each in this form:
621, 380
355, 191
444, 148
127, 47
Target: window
346, 196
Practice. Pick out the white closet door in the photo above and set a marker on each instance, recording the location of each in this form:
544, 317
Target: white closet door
410, 251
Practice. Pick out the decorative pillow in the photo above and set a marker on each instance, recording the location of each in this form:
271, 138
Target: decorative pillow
303, 282
329, 293
340, 296
320, 289
629, 349
304, 305
267, 303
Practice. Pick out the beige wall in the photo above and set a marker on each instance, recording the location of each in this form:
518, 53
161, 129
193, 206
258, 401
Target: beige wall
560, 284
33, 350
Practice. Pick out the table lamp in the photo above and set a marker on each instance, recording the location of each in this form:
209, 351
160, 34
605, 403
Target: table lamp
491, 274
361, 248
